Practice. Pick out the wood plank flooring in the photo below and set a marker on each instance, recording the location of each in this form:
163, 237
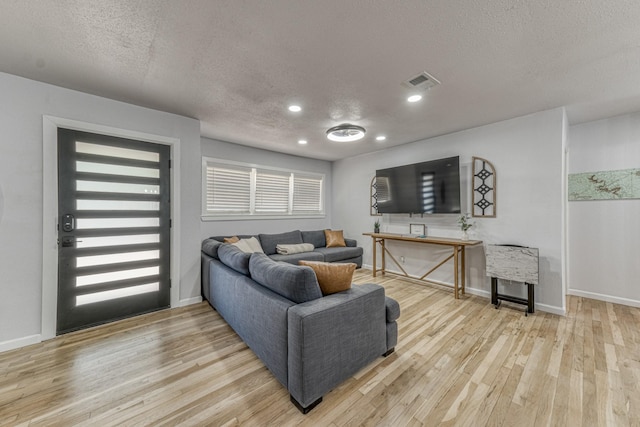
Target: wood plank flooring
457, 363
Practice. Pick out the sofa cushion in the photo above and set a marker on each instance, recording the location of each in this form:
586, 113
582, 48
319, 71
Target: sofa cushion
233, 257
210, 247
339, 254
295, 283
332, 278
334, 238
270, 241
316, 238
234, 239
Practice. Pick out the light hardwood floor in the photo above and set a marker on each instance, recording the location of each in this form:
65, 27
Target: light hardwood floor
456, 363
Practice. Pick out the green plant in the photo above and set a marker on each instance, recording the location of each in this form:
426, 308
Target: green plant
464, 223
376, 225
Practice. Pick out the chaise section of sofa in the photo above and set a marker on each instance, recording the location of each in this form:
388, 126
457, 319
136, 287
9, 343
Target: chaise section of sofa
310, 342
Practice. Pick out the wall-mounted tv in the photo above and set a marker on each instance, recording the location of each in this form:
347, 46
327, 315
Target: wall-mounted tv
427, 187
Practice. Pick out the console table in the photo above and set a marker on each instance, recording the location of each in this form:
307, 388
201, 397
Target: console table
458, 255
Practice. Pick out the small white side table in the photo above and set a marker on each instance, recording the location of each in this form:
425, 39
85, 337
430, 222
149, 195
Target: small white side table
515, 263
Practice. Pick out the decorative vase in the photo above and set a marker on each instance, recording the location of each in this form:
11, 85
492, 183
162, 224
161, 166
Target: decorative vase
465, 235
376, 230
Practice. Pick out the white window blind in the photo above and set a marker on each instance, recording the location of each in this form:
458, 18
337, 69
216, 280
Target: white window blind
232, 189
272, 192
307, 194
228, 190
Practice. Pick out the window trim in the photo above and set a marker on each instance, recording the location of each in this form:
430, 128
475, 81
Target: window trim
210, 216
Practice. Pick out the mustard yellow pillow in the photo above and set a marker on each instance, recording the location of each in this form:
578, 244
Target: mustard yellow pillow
332, 278
334, 238
234, 239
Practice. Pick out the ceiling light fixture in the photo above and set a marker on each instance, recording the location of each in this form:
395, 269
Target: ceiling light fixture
302, 141
295, 108
414, 98
380, 138
345, 133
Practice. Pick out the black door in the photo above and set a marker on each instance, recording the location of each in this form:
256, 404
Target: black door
113, 228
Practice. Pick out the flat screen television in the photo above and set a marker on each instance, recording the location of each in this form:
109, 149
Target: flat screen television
427, 187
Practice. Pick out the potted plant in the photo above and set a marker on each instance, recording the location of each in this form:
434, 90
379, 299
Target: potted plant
376, 226
465, 225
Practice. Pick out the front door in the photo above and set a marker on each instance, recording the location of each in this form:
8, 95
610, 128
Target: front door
113, 228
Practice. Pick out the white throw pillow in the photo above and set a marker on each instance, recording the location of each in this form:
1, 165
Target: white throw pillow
249, 246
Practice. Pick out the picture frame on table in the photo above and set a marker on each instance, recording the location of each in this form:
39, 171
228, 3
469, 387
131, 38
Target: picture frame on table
419, 230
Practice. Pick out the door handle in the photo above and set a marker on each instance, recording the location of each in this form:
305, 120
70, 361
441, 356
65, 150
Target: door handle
69, 241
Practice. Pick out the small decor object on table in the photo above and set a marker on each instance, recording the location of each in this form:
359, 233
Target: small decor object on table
465, 225
418, 230
376, 227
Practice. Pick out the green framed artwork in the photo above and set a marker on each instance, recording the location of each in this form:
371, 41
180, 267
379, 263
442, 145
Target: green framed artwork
605, 185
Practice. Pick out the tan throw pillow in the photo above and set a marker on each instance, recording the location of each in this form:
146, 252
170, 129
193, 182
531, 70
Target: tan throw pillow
233, 239
332, 278
334, 238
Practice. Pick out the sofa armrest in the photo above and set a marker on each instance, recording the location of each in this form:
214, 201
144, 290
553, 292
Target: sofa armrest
332, 338
351, 243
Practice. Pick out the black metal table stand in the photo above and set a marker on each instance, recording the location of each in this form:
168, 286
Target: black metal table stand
497, 297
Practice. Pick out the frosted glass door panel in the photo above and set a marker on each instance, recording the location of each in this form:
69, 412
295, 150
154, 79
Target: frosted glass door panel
87, 223
109, 169
117, 187
90, 261
93, 279
116, 205
116, 293
106, 150
96, 242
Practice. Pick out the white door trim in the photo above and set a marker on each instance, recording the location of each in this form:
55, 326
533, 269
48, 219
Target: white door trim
50, 127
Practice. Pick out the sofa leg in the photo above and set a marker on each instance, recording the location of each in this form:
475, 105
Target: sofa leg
302, 408
391, 350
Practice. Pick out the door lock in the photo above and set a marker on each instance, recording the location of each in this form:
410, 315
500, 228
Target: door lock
68, 223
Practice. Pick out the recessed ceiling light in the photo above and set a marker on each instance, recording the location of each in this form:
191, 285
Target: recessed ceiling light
414, 98
295, 108
380, 138
302, 141
346, 133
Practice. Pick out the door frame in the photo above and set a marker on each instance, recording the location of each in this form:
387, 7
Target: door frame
50, 125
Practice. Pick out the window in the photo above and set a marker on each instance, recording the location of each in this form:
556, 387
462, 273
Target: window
237, 190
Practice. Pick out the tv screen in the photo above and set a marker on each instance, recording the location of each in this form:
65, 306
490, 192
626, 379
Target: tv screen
427, 187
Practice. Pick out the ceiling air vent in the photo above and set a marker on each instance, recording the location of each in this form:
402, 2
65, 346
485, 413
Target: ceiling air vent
422, 81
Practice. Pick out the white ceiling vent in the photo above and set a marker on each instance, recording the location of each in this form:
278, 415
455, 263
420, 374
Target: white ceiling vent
422, 81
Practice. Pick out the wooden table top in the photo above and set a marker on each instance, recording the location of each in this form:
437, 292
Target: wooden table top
428, 239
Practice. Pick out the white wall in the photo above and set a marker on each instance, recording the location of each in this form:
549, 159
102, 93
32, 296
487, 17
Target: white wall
22, 106
604, 235
528, 153
240, 153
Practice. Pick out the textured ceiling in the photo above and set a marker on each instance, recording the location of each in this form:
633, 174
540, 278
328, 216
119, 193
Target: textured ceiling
236, 65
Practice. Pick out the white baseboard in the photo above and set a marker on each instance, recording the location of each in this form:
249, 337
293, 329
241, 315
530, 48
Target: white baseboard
20, 342
487, 294
603, 297
189, 301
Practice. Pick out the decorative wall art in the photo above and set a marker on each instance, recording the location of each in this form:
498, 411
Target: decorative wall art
373, 194
605, 185
483, 199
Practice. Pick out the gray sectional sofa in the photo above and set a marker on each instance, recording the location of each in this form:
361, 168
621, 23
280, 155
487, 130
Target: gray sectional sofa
310, 342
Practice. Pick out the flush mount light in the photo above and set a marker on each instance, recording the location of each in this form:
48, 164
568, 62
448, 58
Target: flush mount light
295, 108
414, 98
380, 138
302, 141
345, 133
